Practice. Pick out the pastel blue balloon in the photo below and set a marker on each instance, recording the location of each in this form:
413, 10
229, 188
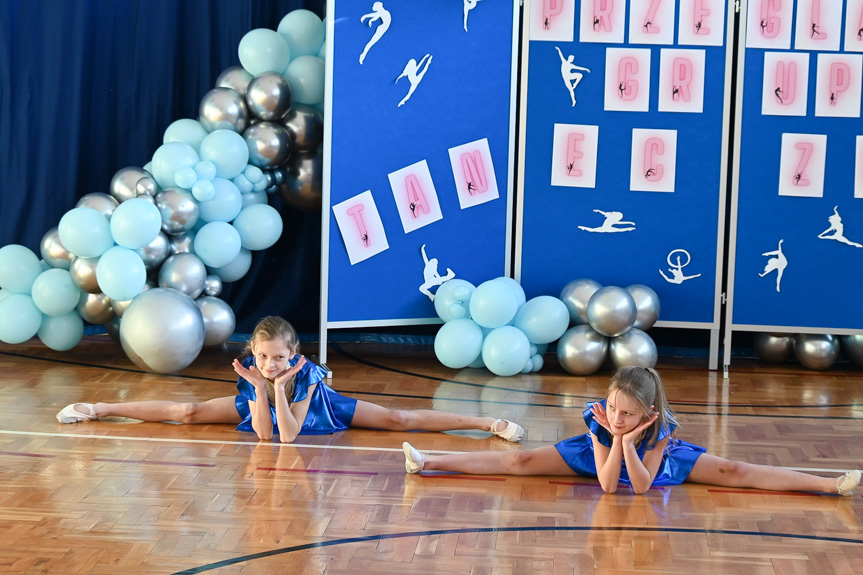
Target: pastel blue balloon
225, 204
303, 32
543, 319
121, 273
306, 76
205, 170
322, 53
458, 343
228, 151
235, 269
19, 318
85, 232
186, 177
254, 198
61, 332
254, 174
259, 226
186, 131
263, 50
451, 295
516, 287
505, 350
457, 311
537, 362
55, 293
19, 268
217, 244
169, 158
243, 184
493, 304
204, 190
135, 223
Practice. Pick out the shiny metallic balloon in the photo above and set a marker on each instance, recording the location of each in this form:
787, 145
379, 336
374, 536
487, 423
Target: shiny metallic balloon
269, 145
852, 345
179, 210
154, 253
219, 320
633, 348
120, 307
816, 350
102, 203
183, 242
303, 185
581, 350
646, 305
162, 330
95, 308
113, 329
773, 348
124, 181
213, 285
83, 272
223, 109
53, 252
235, 78
185, 273
575, 295
611, 311
269, 96
147, 186
306, 127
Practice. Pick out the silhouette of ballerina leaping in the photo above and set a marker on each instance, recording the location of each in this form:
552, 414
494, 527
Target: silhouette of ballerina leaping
378, 13
612, 219
836, 231
468, 6
569, 73
431, 277
777, 264
414, 75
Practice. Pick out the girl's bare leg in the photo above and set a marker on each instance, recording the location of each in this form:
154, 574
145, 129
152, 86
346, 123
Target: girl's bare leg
719, 471
541, 461
221, 410
373, 416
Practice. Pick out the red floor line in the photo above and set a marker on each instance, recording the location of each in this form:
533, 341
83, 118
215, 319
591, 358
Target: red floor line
26, 454
333, 471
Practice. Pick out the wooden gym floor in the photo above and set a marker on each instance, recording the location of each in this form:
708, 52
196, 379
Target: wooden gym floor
122, 496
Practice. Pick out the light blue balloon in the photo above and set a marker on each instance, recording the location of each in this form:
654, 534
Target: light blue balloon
259, 226
505, 350
458, 343
19, 268
493, 304
205, 170
243, 184
225, 204
516, 287
135, 223
186, 131
85, 232
169, 158
254, 198
55, 293
303, 32
263, 50
306, 76
186, 177
61, 332
537, 362
204, 190
452, 295
217, 244
543, 319
19, 318
235, 269
121, 273
322, 53
254, 174
227, 150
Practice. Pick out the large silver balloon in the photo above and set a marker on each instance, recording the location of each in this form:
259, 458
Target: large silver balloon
102, 203
219, 320
773, 348
269, 145
53, 252
95, 308
162, 330
235, 78
83, 272
817, 350
183, 243
853, 347
213, 285
581, 350
575, 295
646, 305
611, 311
303, 184
154, 253
269, 96
223, 109
120, 307
124, 181
179, 210
185, 273
306, 127
633, 348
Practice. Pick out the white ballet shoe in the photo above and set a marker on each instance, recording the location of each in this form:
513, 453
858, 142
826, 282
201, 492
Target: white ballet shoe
845, 485
512, 432
71, 415
414, 460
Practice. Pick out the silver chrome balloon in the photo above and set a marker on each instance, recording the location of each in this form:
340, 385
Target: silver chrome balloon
120, 307
113, 329
223, 109
303, 182
611, 311
852, 345
575, 295
236, 78
102, 203
147, 186
83, 271
269, 145
219, 320
179, 210
95, 308
154, 253
124, 181
53, 252
646, 305
633, 348
581, 350
183, 242
213, 285
269, 96
185, 273
306, 127
773, 348
816, 351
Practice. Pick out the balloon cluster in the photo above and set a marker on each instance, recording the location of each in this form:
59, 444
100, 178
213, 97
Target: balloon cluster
149, 259
607, 322
815, 351
493, 326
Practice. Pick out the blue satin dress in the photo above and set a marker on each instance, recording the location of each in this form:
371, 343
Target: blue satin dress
328, 411
677, 461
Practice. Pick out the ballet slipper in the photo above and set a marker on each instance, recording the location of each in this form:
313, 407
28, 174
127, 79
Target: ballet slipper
414, 460
513, 432
845, 484
71, 415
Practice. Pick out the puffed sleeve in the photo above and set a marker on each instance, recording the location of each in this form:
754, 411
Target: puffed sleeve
309, 375
245, 388
595, 428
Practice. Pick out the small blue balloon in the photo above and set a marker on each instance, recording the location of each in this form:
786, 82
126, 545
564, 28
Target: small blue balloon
169, 158
204, 190
225, 204
537, 362
19, 268
228, 151
306, 76
515, 287
55, 293
85, 232
505, 350
451, 295
121, 273
62, 332
217, 244
259, 226
243, 184
254, 174
254, 198
19, 318
458, 343
135, 223
235, 269
186, 177
185, 131
206, 170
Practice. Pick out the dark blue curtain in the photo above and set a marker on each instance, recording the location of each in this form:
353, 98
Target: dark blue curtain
87, 87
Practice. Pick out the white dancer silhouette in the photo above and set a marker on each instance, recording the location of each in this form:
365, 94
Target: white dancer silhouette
414, 75
468, 6
676, 269
777, 264
431, 277
836, 231
568, 71
378, 13
612, 219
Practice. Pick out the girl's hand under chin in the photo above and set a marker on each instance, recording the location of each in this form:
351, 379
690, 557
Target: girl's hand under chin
631, 436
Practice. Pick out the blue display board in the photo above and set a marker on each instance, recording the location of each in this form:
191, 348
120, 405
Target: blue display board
797, 216
624, 129
419, 154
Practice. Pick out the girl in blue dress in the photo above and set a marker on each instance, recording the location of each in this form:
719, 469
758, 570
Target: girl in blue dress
280, 393
630, 442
